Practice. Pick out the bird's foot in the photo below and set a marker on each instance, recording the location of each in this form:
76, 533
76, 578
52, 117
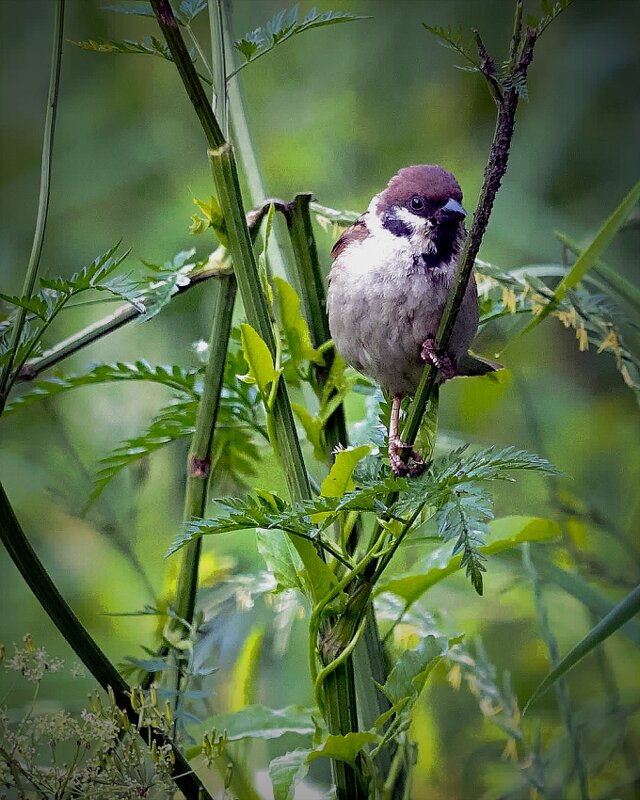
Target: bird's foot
400, 466
443, 362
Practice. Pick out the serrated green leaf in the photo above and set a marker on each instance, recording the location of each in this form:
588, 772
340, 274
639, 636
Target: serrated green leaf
294, 325
345, 747
212, 218
281, 27
259, 359
173, 422
615, 619
410, 673
260, 722
281, 558
313, 578
175, 377
287, 771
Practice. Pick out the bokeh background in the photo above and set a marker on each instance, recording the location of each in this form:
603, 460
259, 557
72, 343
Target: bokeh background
336, 111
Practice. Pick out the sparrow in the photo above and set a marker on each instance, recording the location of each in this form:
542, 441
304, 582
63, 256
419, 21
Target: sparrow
390, 277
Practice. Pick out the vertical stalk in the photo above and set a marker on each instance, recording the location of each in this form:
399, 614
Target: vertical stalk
368, 662
199, 458
310, 284
225, 175
246, 150
43, 199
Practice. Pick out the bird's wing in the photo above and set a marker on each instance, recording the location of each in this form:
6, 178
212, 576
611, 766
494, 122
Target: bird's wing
356, 233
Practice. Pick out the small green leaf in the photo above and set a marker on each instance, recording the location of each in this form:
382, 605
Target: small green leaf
259, 360
338, 482
410, 673
281, 558
211, 218
286, 772
142, 9
614, 620
294, 325
313, 428
245, 672
343, 747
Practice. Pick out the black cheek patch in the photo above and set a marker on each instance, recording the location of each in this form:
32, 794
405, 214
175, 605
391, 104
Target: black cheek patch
396, 226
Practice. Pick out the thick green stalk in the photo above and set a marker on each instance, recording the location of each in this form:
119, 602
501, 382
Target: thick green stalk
310, 284
43, 200
229, 196
47, 594
368, 661
199, 458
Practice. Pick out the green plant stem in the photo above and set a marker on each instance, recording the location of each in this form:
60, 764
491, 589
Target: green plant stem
43, 200
199, 458
38, 580
225, 175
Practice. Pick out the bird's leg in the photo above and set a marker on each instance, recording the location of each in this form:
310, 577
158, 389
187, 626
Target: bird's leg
397, 446
443, 362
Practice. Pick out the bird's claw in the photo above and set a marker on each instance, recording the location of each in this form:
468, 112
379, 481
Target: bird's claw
443, 362
400, 466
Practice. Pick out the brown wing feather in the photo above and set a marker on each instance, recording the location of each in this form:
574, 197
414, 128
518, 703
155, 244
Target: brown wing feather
356, 233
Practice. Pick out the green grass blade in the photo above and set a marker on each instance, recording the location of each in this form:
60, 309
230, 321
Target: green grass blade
589, 257
614, 620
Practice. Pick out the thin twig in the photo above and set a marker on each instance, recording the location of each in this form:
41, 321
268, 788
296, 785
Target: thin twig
127, 313
43, 200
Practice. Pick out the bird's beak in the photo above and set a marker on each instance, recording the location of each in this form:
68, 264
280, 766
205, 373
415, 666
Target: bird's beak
452, 210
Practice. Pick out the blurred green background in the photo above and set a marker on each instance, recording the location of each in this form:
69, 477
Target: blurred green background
336, 111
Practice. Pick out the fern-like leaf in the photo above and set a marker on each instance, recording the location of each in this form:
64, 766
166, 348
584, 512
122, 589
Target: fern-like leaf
454, 39
162, 282
177, 378
283, 26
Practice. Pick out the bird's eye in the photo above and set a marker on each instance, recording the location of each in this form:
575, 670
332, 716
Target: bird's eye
416, 203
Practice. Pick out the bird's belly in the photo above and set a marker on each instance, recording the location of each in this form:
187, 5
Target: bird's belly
379, 324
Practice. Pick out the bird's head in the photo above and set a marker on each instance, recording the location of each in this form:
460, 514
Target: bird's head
423, 204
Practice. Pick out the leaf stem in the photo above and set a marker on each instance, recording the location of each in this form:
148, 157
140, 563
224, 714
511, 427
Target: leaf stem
43, 200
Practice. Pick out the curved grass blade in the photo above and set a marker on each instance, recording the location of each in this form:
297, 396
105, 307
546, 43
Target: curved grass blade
614, 620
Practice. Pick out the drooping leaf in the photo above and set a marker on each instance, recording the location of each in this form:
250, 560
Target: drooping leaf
590, 255
281, 559
175, 421
624, 611
287, 771
344, 747
260, 722
245, 671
